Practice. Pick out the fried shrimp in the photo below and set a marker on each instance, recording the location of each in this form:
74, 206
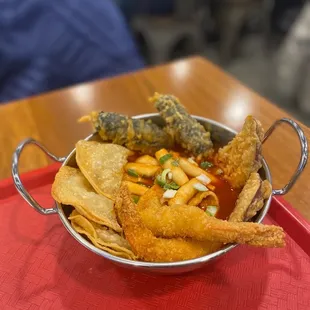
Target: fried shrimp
148, 247
191, 222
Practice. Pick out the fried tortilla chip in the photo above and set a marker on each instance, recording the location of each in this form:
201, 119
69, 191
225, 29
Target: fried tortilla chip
101, 237
242, 155
81, 231
71, 188
102, 165
251, 199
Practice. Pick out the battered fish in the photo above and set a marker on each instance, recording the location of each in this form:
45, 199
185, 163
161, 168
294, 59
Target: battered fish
150, 248
251, 199
187, 132
242, 155
191, 222
135, 134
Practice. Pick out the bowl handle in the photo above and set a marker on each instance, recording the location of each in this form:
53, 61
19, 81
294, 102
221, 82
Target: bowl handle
16, 177
304, 153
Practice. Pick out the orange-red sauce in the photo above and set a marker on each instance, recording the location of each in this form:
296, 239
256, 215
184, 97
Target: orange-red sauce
226, 194
227, 199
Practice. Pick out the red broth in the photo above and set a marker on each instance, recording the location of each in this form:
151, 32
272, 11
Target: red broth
226, 194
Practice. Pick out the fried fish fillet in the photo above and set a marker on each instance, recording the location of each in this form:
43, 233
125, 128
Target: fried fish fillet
72, 188
242, 155
146, 245
135, 134
251, 199
191, 222
187, 132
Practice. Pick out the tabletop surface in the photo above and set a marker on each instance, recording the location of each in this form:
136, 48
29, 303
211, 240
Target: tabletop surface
202, 87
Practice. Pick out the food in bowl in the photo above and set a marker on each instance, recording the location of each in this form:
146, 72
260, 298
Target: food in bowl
166, 194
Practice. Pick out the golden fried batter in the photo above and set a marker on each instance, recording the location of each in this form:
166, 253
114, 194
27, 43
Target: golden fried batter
191, 222
242, 155
72, 188
186, 130
150, 198
251, 199
146, 245
135, 134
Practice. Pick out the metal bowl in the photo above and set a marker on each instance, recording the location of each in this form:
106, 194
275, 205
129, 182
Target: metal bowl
221, 135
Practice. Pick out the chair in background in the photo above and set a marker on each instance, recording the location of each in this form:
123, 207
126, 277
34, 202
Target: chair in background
162, 34
232, 16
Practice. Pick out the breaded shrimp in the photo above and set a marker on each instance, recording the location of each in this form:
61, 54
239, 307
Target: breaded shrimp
150, 248
191, 222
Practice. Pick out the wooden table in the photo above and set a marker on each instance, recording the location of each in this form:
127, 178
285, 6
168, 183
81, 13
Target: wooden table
202, 87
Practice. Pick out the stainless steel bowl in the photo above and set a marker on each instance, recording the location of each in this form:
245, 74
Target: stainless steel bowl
220, 135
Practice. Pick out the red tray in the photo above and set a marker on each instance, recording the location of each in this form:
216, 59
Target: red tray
43, 267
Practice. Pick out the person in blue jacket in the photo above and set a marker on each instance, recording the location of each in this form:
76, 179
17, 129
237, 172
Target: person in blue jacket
46, 45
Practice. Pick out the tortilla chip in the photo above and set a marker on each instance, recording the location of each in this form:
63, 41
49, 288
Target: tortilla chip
101, 237
71, 188
102, 165
80, 230
109, 236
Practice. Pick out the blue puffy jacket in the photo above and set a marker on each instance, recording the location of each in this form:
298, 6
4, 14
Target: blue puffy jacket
49, 44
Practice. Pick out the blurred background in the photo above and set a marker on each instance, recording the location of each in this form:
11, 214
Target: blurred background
46, 45
263, 43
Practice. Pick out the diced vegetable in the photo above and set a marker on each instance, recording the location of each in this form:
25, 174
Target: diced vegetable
204, 179
171, 185
175, 163
219, 171
132, 173
200, 187
170, 193
159, 181
170, 175
206, 164
164, 174
192, 161
162, 181
135, 199
211, 210
164, 158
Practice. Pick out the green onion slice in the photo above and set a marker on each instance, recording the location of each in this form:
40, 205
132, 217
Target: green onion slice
175, 163
132, 173
171, 185
161, 180
135, 199
164, 158
206, 164
211, 210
